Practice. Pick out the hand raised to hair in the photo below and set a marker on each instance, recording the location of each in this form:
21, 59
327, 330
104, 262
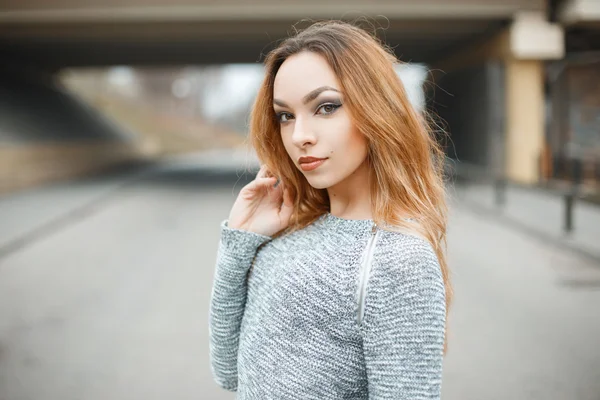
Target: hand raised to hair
260, 207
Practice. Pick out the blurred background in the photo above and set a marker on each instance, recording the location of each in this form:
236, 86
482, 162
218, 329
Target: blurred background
123, 145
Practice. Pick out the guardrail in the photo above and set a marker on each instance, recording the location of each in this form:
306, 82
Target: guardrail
571, 191
475, 173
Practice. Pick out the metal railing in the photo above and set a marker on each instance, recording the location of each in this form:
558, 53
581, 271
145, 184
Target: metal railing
571, 191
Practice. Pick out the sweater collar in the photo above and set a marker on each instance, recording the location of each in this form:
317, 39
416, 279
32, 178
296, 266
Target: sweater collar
330, 221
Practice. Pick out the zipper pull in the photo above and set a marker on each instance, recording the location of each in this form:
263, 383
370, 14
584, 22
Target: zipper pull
374, 229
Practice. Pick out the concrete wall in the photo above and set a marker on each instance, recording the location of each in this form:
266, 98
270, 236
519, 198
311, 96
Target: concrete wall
48, 135
24, 166
471, 102
35, 108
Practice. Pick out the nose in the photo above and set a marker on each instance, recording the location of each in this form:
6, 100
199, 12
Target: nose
302, 135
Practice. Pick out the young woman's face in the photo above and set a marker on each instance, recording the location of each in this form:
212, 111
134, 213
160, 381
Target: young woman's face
314, 121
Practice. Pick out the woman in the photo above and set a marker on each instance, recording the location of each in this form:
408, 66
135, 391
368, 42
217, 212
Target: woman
331, 280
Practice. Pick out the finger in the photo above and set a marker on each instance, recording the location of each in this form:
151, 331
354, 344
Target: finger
287, 198
276, 193
261, 183
264, 172
260, 172
285, 213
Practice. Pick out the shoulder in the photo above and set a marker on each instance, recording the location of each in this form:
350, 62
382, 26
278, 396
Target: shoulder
394, 247
406, 261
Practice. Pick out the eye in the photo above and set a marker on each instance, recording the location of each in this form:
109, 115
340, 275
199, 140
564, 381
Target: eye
284, 117
328, 108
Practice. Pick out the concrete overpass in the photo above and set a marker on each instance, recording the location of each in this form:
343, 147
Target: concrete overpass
70, 33
491, 52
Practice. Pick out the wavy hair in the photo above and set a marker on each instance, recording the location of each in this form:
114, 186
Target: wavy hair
406, 161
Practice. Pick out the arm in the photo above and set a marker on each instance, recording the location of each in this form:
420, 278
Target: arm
236, 252
403, 326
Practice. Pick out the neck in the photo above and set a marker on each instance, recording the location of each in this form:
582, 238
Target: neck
351, 198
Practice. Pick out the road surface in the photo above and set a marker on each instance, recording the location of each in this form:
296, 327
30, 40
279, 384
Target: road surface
112, 302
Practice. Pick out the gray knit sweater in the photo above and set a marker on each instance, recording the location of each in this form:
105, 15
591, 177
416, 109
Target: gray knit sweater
338, 310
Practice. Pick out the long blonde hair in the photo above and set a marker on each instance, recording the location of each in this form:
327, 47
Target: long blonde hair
407, 180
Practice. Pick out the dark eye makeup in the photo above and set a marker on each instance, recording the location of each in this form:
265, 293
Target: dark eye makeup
329, 106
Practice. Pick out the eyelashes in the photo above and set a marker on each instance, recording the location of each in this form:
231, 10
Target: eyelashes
333, 107
328, 108
282, 115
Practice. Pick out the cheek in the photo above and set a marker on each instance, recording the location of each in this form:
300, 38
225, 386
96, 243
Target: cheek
286, 140
349, 143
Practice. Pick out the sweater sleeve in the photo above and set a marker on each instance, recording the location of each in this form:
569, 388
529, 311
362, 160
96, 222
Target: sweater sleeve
403, 324
235, 255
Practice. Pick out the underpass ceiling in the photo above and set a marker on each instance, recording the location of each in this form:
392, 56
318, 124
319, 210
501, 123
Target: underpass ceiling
54, 46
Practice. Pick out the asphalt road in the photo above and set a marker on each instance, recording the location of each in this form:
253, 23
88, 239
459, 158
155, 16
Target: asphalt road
112, 302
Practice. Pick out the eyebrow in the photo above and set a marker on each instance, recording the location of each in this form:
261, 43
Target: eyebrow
309, 97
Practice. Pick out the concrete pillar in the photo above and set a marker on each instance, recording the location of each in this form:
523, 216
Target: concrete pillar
522, 49
525, 117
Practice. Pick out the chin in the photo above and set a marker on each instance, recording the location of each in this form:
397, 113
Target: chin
320, 183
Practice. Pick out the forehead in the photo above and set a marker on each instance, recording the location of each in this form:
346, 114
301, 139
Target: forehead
300, 74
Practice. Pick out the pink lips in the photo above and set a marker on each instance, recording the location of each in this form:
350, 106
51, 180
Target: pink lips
309, 166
